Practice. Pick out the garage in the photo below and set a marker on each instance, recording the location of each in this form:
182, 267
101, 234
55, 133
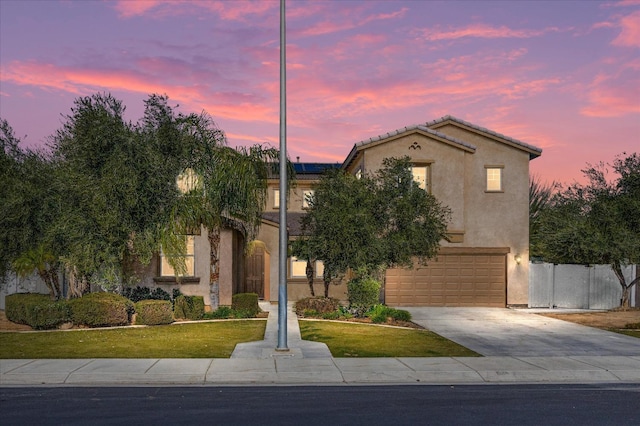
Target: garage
457, 277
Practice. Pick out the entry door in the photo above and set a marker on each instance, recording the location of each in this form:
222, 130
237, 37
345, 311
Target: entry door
254, 277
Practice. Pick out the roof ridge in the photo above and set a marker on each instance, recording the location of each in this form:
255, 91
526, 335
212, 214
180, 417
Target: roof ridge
483, 129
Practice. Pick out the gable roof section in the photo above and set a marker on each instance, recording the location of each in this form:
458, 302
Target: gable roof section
534, 152
430, 128
419, 128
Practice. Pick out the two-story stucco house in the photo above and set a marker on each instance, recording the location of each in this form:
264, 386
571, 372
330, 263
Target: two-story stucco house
483, 177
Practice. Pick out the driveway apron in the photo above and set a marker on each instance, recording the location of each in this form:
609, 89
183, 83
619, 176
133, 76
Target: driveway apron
508, 332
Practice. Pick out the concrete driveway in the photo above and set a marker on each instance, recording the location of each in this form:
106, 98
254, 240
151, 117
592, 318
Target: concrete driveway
508, 332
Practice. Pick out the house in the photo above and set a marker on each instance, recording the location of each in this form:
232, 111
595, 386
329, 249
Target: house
483, 177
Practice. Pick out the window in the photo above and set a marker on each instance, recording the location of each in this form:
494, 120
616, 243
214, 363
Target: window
421, 176
359, 174
494, 179
306, 196
299, 268
166, 270
276, 198
187, 181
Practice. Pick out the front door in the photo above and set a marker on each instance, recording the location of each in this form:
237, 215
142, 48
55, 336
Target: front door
254, 273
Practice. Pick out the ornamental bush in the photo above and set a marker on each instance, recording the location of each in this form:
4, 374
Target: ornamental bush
36, 310
245, 305
101, 310
363, 294
321, 305
154, 312
189, 307
136, 294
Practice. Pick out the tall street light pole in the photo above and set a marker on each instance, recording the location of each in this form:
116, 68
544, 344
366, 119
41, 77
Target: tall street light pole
282, 247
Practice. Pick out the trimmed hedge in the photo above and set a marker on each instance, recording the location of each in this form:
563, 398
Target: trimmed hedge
154, 312
363, 294
36, 310
136, 294
101, 310
245, 304
319, 304
189, 307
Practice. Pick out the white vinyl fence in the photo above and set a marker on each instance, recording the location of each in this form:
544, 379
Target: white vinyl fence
15, 284
577, 286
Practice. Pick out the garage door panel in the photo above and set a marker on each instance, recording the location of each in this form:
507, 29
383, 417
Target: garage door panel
450, 280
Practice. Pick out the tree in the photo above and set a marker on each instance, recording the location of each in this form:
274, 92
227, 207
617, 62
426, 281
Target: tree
371, 223
597, 223
540, 195
115, 196
28, 200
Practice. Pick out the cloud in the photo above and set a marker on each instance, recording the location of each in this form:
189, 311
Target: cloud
347, 20
630, 31
83, 81
238, 10
481, 31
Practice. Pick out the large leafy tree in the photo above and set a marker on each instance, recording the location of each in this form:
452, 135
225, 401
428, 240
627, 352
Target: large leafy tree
117, 198
371, 223
28, 201
598, 222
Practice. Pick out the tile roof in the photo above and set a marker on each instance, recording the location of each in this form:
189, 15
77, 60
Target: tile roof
484, 130
294, 224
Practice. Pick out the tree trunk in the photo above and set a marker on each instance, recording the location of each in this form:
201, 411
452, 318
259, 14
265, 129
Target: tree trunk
214, 271
309, 272
626, 288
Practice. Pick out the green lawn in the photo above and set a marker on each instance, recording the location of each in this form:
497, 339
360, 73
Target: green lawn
362, 340
629, 332
200, 340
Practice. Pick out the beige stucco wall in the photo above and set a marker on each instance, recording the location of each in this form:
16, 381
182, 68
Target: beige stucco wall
459, 181
295, 195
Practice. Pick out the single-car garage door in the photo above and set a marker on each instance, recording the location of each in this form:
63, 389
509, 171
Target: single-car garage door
458, 277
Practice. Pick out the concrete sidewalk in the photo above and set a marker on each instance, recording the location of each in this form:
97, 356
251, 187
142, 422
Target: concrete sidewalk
310, 363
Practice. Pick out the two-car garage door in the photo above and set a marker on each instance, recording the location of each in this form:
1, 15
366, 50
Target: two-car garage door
458, 277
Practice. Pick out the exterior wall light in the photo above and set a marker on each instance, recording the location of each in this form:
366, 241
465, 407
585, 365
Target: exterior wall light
518, 258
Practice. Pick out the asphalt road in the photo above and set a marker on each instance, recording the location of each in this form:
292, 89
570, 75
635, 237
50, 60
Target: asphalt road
349, 405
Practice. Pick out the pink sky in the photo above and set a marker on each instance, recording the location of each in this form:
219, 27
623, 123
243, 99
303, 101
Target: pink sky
563, 76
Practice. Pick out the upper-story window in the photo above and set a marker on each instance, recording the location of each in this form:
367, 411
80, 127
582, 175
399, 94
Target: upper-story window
494, 178
166, 270
307, 196
421, 175
276, 198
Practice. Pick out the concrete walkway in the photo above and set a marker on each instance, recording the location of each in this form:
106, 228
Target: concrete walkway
309, 363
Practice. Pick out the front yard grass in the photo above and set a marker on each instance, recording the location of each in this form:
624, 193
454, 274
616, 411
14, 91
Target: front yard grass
193, 340
362, 340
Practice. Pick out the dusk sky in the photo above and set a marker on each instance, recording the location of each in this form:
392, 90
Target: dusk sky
560, 75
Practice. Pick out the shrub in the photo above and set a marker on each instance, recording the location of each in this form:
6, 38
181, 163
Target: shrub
363, 294
331, 315
154, 312
401, 315
136, 294
381, 313
101, 310
245, 305
189, 307
320, 305
223, 312
36, 310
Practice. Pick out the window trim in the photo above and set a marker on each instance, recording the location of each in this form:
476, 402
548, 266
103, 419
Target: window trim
428, 182
487, 168
161, 273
